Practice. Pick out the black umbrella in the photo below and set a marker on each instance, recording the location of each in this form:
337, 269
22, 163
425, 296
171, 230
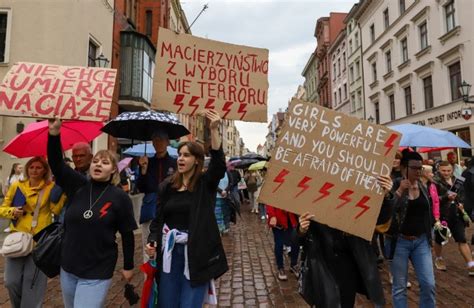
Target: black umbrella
253, 156
245, 163
141, 125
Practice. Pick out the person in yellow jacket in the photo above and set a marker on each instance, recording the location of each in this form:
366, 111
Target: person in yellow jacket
26, 284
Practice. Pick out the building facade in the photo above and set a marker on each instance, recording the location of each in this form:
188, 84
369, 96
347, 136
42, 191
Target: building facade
339, 84
354, 65
310, 74
416, 53
31, 31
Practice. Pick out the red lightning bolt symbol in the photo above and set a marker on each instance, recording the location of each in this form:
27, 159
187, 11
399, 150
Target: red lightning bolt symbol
389, 143
178, 100
280, 178
226, 108
345, 197
192, 103
242, 110
210, 104
302, 185
362, 205
324, 191
103, 210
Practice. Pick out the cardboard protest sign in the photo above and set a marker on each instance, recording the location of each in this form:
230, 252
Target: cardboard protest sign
194, 74
326, 163
69, 92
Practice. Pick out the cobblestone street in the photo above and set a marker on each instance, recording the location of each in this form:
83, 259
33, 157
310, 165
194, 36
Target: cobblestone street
251, 280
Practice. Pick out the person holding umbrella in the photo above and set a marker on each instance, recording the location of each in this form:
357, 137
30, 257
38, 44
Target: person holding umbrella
98, 210
191, 255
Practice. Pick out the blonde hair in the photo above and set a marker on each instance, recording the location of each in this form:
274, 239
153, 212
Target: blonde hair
428, 168
115, 179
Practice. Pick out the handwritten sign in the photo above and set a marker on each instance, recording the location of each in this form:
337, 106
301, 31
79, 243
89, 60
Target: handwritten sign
45, 90
326, 163
193, 74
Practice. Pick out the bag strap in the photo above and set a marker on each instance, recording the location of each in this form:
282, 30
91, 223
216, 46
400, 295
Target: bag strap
34, 223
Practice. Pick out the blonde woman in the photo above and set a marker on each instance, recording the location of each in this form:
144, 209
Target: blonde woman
25, 283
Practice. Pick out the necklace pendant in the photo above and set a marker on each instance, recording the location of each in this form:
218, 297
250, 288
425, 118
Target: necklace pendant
88, 214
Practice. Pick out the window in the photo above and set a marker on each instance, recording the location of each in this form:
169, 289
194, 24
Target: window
353, 102
334, 70
449, 14
455, 80
408, 106
359, 99
345, 91
388, 61
374, 72
351, 74
92, 54
391, 102
357, 72
344, 61
428, 90
423, 35
386, 18
372, 33
356, 35
350, 46
149, 22
377, 113
4, 35
404, 44
402, 6
338, 66
335, 97
340, 95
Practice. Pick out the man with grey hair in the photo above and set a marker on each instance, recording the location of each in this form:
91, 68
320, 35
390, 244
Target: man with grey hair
82, 157
153, 171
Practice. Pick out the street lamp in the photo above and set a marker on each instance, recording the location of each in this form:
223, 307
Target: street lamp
101, 61
465, 88
371, 119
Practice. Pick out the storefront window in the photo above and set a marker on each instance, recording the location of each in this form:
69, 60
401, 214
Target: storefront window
465, 135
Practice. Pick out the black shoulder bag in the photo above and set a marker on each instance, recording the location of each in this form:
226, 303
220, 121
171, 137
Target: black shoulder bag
47, 252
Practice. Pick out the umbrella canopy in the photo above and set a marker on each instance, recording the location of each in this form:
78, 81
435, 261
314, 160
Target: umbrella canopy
34, 139
142, 125
139, 150
244, 163
428, 137
258, 166
123, 163
253, 156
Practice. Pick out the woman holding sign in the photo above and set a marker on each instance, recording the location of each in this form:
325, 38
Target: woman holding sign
336, 265
184, 236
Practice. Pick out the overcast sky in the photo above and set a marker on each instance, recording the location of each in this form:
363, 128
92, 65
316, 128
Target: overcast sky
285, 28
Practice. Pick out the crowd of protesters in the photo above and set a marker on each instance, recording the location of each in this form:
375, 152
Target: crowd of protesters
190, 198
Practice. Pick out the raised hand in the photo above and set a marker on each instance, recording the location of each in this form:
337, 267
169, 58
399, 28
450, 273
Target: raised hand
54, 126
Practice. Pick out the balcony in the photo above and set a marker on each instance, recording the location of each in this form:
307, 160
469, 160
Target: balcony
137, 64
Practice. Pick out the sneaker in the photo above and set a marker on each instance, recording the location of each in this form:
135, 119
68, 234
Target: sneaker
471, 270
7, 230
440, 264
282, 275
295, 270
263, 217
408, 284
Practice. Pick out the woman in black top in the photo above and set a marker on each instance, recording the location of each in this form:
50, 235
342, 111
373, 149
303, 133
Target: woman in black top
97, 210
192, 255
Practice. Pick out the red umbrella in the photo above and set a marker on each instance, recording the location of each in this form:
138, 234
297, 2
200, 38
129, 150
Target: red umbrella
33, 140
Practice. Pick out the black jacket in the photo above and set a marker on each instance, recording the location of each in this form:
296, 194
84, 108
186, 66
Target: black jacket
158, 170
206, 254
468, 174
321, 244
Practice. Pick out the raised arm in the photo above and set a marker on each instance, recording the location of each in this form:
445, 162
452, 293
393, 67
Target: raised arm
65, 176
217, 166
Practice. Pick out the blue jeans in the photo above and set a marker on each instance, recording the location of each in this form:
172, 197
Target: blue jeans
281, 237
174, 289
419, 252
262, 210
78, 292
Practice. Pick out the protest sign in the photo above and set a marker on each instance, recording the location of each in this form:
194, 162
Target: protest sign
193, 74
69, 92
326, 163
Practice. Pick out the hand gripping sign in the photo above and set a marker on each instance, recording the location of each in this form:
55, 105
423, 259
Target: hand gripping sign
193, 74
326, 163
45, 90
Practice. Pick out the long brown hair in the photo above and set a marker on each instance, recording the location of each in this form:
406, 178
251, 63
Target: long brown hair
197, 151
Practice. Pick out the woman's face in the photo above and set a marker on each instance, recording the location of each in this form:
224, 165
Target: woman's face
18, 169
101, 169
36, 171
186, 161
415, 167
428, 174
396, 163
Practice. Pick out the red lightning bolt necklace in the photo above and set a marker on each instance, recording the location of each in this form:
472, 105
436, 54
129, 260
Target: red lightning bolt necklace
88, 213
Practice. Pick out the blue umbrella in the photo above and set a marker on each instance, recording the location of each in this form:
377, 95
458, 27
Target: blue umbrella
139, 150
421, 136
